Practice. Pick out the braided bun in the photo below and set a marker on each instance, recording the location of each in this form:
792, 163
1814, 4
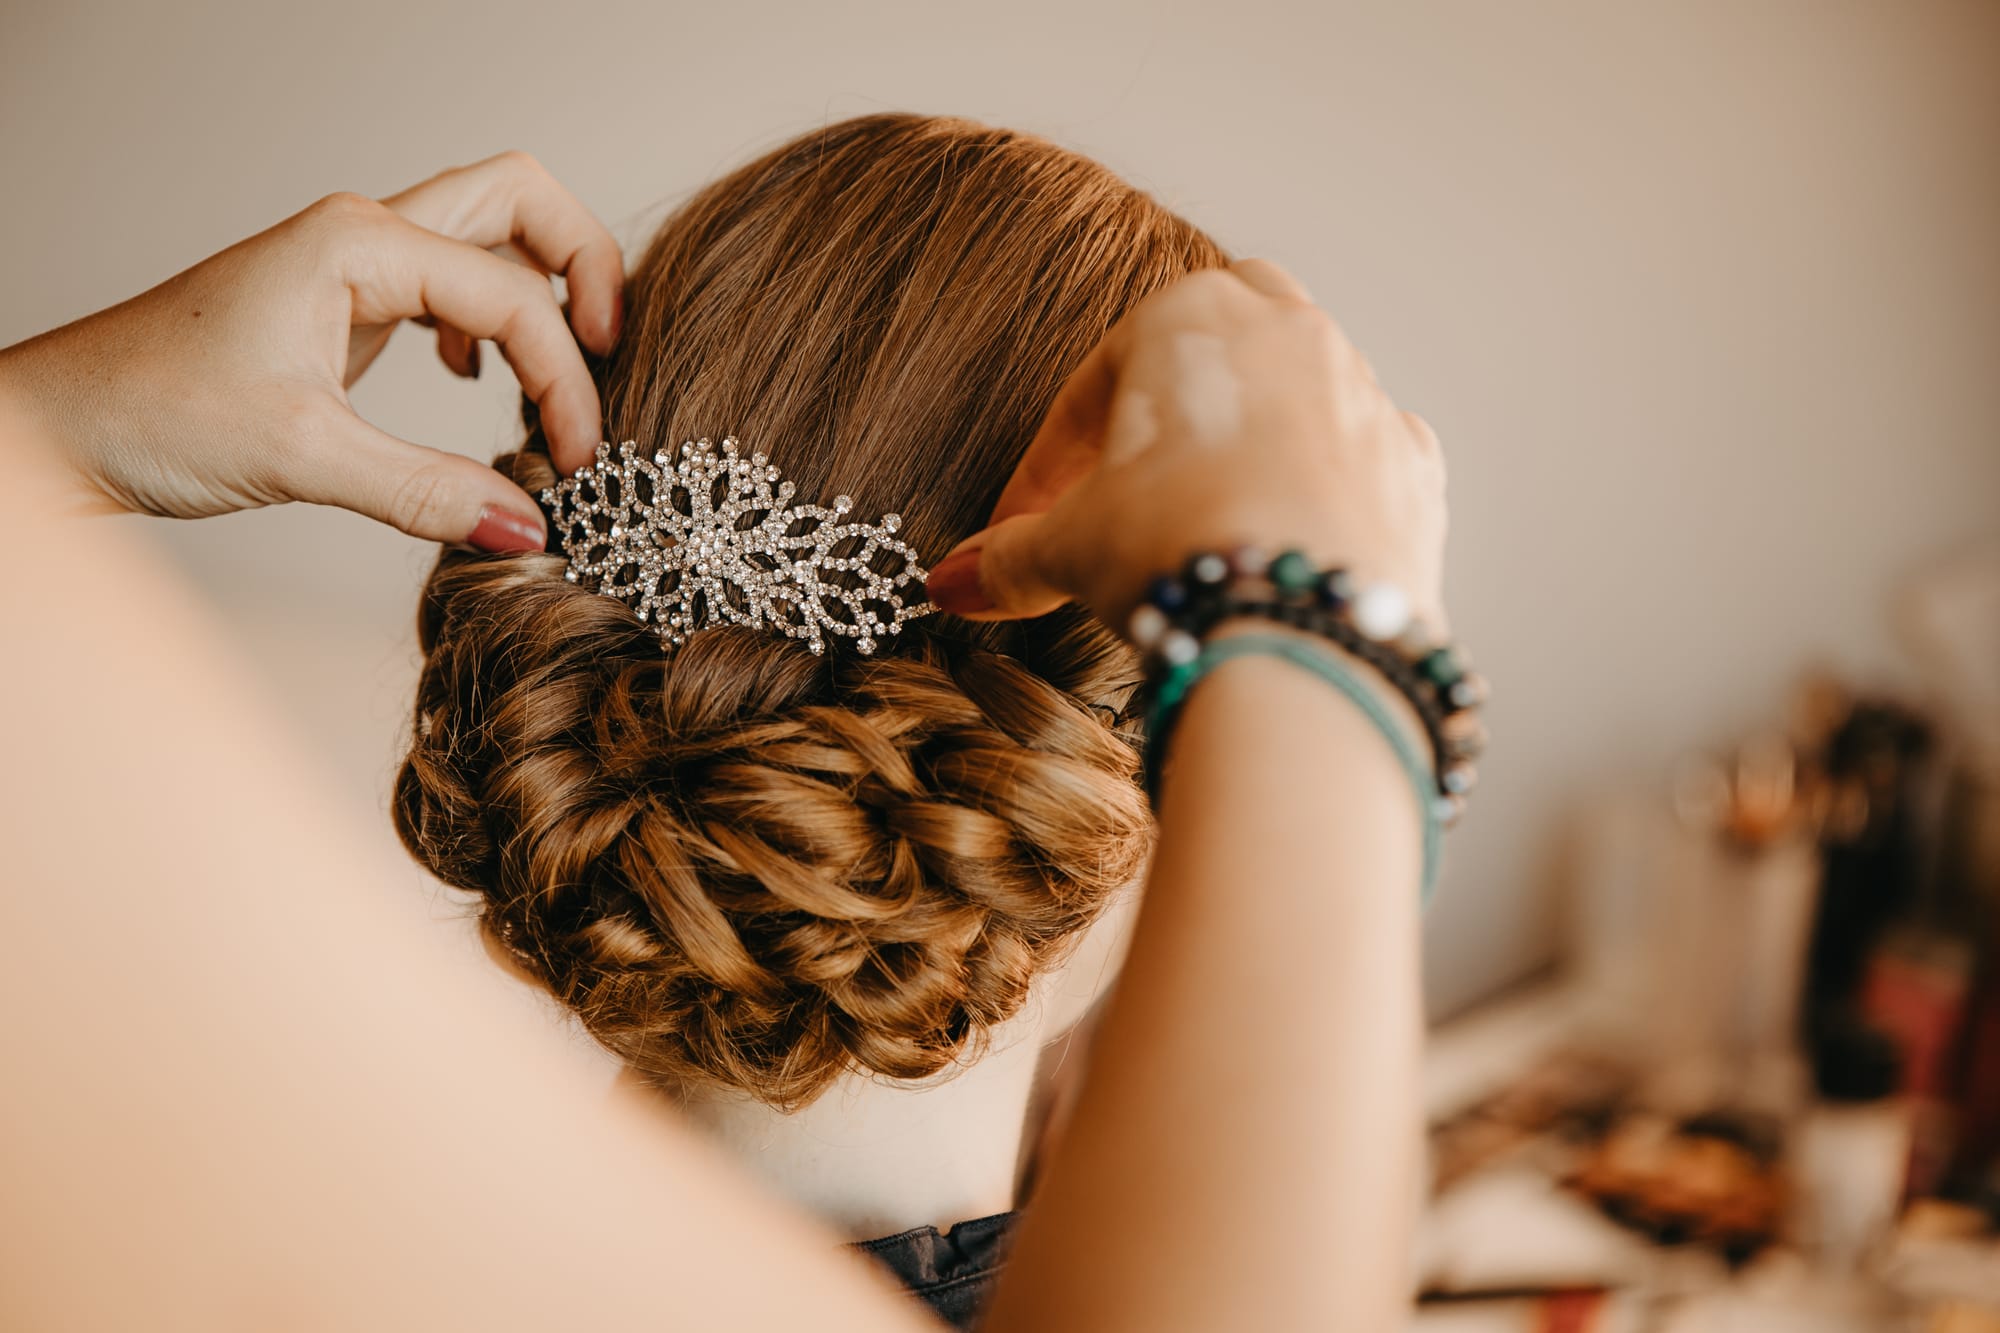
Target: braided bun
741, 864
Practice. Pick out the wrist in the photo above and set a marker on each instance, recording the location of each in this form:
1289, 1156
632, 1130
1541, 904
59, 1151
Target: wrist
1372, 621
1299, 657
38, 406
1409, 724
1359, 638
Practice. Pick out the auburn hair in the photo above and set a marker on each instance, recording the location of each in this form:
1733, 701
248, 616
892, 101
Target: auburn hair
739, 863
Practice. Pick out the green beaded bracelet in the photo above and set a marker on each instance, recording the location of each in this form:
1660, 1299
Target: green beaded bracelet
1173, 691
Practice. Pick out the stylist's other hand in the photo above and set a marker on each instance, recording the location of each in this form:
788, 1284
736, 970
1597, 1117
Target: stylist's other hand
225, 388
1224, 410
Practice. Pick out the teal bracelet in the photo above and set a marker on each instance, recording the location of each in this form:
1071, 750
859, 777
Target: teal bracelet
1172, 692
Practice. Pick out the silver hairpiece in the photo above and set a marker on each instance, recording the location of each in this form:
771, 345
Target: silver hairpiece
707, 539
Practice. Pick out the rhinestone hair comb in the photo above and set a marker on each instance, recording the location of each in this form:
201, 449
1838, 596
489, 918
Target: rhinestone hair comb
713, 538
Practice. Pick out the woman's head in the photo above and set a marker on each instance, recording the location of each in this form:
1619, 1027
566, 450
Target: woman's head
742, 864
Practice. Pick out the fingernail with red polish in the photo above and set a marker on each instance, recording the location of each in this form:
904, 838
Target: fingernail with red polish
617, 315
954, 585
504, 532
472, 361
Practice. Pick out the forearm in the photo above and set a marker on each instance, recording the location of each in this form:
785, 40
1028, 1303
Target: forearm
63, 389
1245, 1151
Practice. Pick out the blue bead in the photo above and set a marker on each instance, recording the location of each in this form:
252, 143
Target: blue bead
1167, 592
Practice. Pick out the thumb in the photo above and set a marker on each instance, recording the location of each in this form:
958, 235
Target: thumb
1006, 572
428, 493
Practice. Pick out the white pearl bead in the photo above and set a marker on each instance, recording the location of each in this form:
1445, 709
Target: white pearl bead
1178, 647
1381, 611
1147, 624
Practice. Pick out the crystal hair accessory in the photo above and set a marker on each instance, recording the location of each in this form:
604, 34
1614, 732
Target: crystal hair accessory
713, 538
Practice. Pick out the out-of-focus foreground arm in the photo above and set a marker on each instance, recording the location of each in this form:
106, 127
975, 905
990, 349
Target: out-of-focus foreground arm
244, 1087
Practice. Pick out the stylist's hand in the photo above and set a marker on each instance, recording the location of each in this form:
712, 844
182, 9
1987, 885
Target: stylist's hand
226, 387
1224, 410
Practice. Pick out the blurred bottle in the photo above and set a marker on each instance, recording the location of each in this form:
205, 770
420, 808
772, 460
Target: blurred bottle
1971, 1081
1948, 617
1852, 1147
1871, 857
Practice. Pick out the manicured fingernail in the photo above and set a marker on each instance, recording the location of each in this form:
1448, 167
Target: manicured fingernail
472, 362
954, 585
502, 531
617, 316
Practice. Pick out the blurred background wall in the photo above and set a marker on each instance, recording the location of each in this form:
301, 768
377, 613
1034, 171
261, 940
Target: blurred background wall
1703, 297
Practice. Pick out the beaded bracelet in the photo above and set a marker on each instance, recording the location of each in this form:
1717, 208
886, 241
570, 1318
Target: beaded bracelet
1174, 688
1371, 622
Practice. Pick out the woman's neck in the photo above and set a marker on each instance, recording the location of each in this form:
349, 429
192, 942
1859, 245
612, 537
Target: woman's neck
872, 1158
